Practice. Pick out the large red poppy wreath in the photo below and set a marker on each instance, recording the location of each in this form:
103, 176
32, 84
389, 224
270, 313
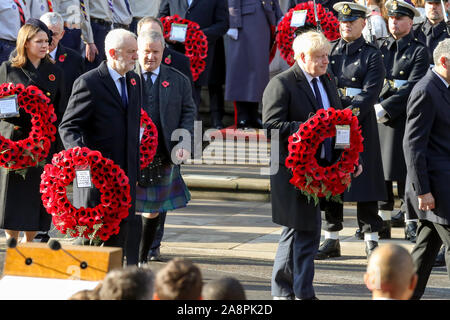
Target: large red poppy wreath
285, 36
196, 43
149, 140
28, 152
312, 179
96, 223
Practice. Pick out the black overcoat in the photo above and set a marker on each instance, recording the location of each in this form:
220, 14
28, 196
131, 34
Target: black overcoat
289, 101
405, 59
359, 65
427, 147
431, 35
20, 200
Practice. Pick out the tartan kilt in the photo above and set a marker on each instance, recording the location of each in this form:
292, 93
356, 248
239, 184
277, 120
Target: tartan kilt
171, 193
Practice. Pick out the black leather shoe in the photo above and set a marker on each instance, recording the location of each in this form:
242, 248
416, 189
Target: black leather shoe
385, 232
440, 259
243, 124
398, 220
370, 246
330, 248
42, 237
410, 231
257, 124
359, 235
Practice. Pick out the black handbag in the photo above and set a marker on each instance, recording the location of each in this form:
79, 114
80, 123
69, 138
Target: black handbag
154, 174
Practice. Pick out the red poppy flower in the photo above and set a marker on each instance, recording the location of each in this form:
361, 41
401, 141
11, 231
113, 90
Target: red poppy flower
168, 59
133, 81
51, 77
62, 57
165, 84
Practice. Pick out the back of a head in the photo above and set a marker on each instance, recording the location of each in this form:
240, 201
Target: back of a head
390, 271
180, 279
227, 288
131, 283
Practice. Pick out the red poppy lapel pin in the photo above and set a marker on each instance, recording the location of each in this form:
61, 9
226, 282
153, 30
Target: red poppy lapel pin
51, 77
168, 59
133, 81
62, 57
165, 84
329, 77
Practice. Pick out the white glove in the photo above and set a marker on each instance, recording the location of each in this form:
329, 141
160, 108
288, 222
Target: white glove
380, 113
233, 33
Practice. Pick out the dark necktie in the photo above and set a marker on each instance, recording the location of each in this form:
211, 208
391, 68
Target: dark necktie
21, 14
327, 141
123, 92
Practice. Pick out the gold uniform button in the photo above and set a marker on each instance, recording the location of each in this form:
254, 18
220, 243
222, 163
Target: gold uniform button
48, 94
402, 72
332, 61
356, 63
353, 79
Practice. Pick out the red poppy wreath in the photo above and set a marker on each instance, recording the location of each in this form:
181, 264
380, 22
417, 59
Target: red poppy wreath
149, 140
312, 179
285, 36
100, 222
31, 151
195, 45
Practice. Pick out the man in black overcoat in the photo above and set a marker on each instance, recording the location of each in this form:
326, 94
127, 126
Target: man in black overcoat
427, 152
358, 68
212, 17
290, 99
406, 62
104, 114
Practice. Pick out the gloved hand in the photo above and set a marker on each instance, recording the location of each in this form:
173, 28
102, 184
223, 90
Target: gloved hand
233, 33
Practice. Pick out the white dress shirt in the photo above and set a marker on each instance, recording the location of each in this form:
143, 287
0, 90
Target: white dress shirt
323, 93
155, 74
116, 76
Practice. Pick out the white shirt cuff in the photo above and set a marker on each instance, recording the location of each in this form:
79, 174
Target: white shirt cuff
380, 113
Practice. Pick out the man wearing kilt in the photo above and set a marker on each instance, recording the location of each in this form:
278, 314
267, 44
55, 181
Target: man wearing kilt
167, 98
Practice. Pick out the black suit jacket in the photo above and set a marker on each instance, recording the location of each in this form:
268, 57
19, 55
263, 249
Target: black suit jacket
95, 118
427, 147
212, 17
72, 63
289, 101
176, 108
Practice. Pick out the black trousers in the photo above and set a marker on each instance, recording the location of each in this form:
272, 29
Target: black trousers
247, 111
366, 213
430, 237
389, 203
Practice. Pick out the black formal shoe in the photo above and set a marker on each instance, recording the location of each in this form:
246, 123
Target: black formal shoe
243, 124
398, 221
359, 235
370, 246
385, 232
440, 259
312, 298
330, 248
410, 231
42, 237
257, 124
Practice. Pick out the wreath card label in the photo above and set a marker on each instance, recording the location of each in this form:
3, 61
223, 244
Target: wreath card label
9, 107
83, 175
178, 32
299, 18
342, 137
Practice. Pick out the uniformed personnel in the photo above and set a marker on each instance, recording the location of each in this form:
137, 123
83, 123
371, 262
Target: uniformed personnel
434, 29
358, 67
141, 9
13, 14
39, 7
122, 15
406, 62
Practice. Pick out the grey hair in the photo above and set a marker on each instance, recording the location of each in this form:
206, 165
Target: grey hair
442, 50
52, 19
115, 39
310, 42
150, 37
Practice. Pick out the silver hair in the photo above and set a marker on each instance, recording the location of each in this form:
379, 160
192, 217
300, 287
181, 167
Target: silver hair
442, 50
309, 42
52, 19
115, 39
150, 37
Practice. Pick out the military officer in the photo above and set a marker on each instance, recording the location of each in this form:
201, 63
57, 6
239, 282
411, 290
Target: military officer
358, 67
406, 61
13, 14
434, 29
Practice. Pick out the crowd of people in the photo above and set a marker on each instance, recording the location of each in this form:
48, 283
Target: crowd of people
100, 61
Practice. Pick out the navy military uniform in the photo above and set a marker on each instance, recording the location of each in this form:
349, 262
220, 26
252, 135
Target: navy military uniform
359, 72
430, 34
406, 61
